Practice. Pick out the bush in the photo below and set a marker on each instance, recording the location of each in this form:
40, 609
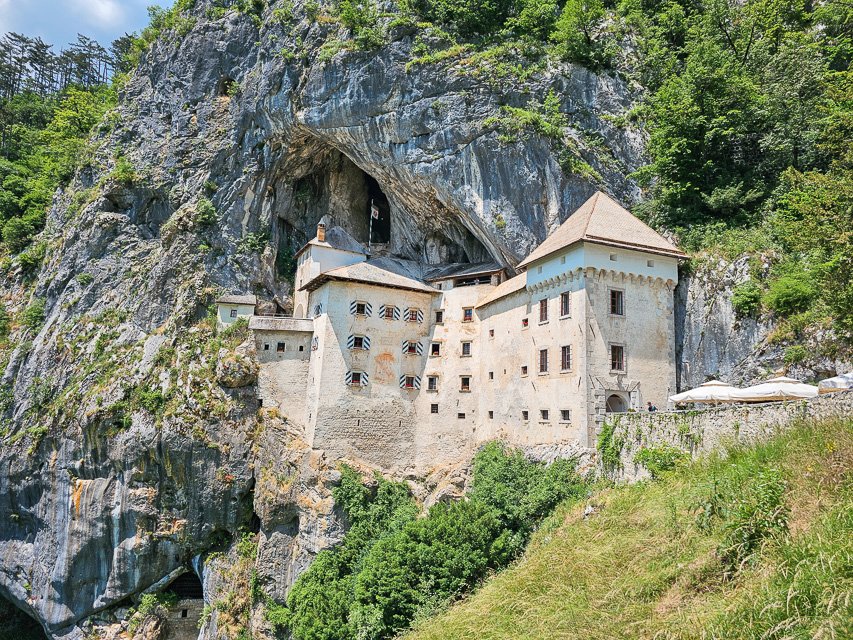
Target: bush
789, 294
18, 232
795, 354
5, 322
33, 315
746, 299
205, 213
124, 173
661, 459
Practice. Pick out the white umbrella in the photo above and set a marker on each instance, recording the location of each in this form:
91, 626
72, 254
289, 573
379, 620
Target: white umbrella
838, 383
712, 391
775, 389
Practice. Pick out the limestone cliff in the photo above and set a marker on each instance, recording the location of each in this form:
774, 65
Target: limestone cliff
124, 459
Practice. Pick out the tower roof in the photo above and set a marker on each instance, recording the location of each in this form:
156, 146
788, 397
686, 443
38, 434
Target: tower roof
336, 238
602, 220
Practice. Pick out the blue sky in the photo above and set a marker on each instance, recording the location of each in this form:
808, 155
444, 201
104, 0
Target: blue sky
59, 21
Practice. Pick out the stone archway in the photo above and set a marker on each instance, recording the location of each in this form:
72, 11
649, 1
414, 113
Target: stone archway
616, 403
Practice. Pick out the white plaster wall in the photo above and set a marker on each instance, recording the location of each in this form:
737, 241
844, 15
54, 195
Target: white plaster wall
283, 376
311, 263
223, 313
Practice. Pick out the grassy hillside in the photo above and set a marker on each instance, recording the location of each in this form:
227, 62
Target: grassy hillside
759, 545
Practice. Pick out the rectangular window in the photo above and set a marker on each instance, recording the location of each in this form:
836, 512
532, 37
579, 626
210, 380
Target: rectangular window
617, 302
565, 304
389, 312
543, 310
435, 349
544, 414
413, 315
356, 379
233, 313
279, 347
360, 309
613, 257
543, 360
566, 358
525, 415
266, 346
617, 357
412, 348
465, 383
491, 375
467, 314
491, 415
439, 317
565, 415
524, 323
432, 383
650, 263
358, 342
433, 408
491, 333
409, 382
466, 348
524, 369
460, 415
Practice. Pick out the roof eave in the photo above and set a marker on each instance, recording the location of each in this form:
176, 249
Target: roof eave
322, 279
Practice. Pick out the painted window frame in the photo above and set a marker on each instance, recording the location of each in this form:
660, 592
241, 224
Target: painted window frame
624, 359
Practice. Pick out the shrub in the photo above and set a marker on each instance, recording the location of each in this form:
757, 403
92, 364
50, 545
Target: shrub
746, 299
205, 213
18, 232
247, 546
5, 322
795, 354
661, 459
609, 448
85, 279
789, 294
33, 315
123, 172
152, 400
32, 259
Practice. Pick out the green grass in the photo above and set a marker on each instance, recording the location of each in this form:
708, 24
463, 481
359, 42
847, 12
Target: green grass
650, 562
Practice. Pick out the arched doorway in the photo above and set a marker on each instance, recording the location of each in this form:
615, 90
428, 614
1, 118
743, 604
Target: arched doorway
616, 403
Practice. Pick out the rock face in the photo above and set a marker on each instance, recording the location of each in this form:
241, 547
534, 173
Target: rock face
125, 459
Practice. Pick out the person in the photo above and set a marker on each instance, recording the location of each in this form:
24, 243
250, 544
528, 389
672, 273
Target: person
652, 408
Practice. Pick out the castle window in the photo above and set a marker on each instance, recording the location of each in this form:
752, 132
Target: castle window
432, 383
357, 379
524, 369
565, 304
302, 347
543, 310
266, 346
565, 415
468, 314
460, 415
544, 415
650, 263
439, 317
233, 313
466, 349
465, 383
491, 375
525, 415
360, 308
414, 315
409, 382
280, 347
435, 349
433, 408
613, 257
525, 323
491, 415
562, 259
543, 360
491, 333
566, 358
390, 311
358, 342
412, 348
617, 357
184, 613
538, 269
617, 302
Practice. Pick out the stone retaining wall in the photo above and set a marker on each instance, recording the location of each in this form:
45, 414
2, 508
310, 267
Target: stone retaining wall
702, 431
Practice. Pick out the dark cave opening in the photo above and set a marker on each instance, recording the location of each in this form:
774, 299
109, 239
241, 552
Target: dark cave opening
186, 586
379, 210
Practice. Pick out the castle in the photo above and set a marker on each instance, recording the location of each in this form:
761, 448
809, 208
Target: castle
409, 366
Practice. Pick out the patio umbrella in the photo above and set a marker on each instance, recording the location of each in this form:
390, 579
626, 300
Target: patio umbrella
712, 392
775, 389
838, 383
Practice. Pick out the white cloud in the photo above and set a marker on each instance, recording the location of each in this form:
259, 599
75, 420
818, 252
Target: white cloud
100, 13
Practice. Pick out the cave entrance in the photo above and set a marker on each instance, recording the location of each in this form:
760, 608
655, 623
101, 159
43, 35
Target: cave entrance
186, 586
379, 212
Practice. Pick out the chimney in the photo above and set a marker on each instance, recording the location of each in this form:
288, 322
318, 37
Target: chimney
321, 232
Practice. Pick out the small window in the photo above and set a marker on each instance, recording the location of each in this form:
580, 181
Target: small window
543, 360
468, 314
260, 402
565, 304
233, 313
409, 382
617, 302
466, 348
465, 383
543, 310
435, 349
525, 323
524, 369
566, 358
432, 383
525, 415
544, 415
389, 312
356, 379
412, 316
280, 347
650, 263
358, 342
491, 375
460, 415
562, 259
439, 317
491, 415
565, 415
412, 348
433, 408
184, 613
491, 333
539, 269
360, 309
302, 347
613, 257
266, 346
617, 357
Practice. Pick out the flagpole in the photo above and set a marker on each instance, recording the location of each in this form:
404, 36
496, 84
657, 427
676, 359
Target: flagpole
370, 228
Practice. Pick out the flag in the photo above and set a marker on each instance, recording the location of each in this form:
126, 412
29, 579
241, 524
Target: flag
374, 211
